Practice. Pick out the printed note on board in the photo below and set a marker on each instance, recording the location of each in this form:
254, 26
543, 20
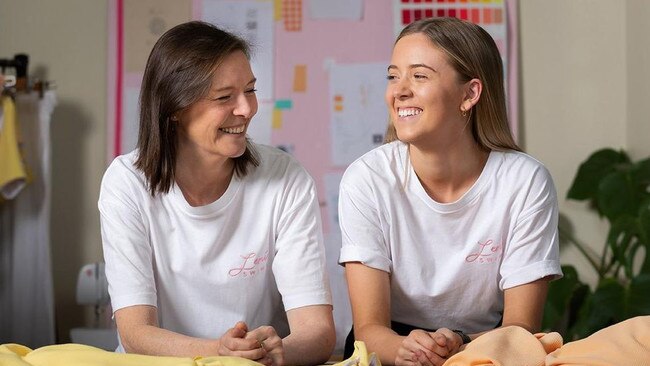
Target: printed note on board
253, 20
358, 113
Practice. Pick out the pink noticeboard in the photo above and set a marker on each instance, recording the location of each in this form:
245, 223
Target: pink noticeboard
318, 48
306, 44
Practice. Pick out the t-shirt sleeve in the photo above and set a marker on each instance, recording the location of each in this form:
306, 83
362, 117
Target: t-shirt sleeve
360, 221
125, 243
532, 251
299, 264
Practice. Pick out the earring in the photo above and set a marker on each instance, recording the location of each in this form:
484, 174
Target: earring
174, 118
463, 112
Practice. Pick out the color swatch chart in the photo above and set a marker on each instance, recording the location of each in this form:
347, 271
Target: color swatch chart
463, 9
489, 14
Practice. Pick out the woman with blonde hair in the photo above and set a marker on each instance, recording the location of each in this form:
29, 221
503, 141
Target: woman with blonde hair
449, 230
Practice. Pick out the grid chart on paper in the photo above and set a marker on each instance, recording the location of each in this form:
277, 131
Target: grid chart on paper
292, 15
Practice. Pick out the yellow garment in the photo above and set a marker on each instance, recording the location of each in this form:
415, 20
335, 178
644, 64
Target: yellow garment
13, 175
507, 346
360, 357
82, 355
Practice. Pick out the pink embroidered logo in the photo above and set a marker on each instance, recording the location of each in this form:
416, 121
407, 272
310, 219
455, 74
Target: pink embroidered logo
487, 253
251, 265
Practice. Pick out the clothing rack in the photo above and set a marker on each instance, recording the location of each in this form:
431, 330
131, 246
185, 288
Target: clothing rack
19, 81
19, 62
25, 187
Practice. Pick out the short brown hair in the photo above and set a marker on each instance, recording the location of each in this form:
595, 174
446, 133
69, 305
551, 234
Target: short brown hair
179, 72
472, 52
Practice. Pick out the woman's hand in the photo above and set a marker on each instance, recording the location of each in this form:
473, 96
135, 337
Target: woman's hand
268, 340
428, 349
236, 343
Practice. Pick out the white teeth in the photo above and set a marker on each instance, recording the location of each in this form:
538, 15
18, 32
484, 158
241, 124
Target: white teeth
233, 129
405, 112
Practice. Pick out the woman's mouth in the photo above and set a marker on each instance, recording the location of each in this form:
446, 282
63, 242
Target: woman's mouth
233, 130
406, 112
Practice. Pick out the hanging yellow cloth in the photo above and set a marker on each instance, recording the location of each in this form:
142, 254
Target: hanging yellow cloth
13, 175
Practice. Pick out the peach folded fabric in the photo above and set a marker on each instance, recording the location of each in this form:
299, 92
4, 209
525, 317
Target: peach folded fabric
507, 346
625, 343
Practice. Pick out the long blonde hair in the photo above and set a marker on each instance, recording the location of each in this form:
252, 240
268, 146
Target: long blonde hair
473, 54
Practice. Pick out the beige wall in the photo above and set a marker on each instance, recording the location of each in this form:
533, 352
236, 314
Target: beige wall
585, 70
574, 90
638, 78
66, 42
585, 73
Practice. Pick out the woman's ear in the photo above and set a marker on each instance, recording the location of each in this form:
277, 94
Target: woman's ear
473, 89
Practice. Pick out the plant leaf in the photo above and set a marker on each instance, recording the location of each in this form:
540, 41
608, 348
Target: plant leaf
644, 235
578, 300
623, 231
637, 299
603, 308
642, 172
557, 300
617, 196
592, 171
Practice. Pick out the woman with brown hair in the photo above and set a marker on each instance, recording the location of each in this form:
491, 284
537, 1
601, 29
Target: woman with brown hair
212, 243
449, 230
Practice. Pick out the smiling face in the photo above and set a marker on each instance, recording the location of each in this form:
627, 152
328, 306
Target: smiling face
216, 124
424, 94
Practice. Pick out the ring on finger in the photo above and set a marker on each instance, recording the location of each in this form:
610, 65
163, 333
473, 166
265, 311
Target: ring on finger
261, 345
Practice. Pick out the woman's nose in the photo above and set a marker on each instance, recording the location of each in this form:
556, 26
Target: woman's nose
245, 106
401, 89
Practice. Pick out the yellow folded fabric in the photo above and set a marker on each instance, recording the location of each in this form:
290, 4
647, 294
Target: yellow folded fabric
360, 357
13, 175
625, 343
11, 354
507, 346
78, 355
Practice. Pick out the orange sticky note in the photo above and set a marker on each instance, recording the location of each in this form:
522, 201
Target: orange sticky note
277, 10
277, 119
300, 78
338, 102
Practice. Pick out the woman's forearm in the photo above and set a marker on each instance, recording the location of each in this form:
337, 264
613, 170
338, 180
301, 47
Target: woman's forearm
313, 350
381, 340
151, 340
312, 337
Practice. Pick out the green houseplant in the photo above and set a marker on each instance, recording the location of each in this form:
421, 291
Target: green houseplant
618, 189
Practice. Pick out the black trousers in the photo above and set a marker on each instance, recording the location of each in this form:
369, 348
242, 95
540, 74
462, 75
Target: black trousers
399, 328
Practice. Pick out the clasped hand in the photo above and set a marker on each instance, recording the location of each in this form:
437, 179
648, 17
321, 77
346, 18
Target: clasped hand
421, 348
262, 345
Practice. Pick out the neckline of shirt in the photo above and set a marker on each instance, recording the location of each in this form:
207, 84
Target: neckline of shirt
468, 197
210, 209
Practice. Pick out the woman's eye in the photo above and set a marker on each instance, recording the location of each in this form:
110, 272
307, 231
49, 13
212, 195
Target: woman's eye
251, 91
391, 77
223, 98
420, 76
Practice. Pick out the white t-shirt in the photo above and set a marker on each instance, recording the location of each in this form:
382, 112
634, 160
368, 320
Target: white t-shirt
449, 263
251, 255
